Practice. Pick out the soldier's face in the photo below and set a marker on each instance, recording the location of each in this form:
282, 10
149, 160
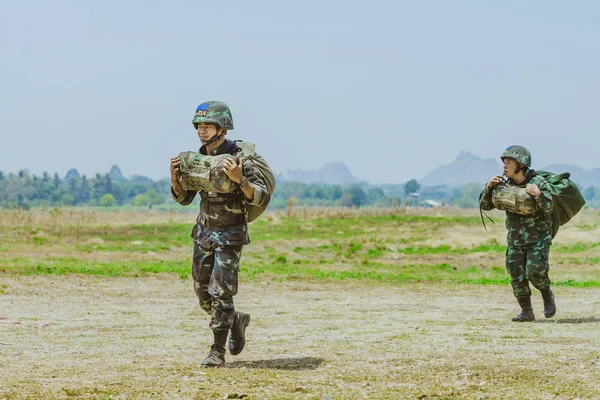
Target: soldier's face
207, 131
510, 166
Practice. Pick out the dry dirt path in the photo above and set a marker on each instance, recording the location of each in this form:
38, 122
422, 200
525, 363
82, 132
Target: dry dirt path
102, 337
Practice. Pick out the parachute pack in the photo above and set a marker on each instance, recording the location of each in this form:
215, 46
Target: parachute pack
265, 171
199, 172
513, 199
566, 197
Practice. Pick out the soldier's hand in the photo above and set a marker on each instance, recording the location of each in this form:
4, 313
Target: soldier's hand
233, 169
494, 181
533, 189
174, 168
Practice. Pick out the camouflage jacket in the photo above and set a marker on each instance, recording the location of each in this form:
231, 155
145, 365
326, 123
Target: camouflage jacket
526, 229
222, 217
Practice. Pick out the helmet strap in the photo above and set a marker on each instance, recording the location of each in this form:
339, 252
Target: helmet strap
212, 140
521, 168
215, 138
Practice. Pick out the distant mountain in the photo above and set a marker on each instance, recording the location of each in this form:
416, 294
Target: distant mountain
336, 173
116, 175
469, 168
466, 168
72, 174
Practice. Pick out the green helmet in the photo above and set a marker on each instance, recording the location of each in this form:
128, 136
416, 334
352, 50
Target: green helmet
213, 112
518, 153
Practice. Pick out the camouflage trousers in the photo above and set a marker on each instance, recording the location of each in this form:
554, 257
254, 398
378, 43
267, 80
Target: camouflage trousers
215, 271
528, 264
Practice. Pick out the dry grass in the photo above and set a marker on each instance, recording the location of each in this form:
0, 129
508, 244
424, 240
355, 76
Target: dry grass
349, 212
70, 217
77, 217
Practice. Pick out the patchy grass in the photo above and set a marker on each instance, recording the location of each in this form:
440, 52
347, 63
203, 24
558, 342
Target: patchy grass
104, 338
346, 304
386, 248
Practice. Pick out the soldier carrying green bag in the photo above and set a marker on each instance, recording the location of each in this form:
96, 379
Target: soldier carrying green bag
227, 177
528, 201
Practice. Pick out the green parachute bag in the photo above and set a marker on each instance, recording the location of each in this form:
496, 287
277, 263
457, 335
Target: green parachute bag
566, 196
199, 172
265, 171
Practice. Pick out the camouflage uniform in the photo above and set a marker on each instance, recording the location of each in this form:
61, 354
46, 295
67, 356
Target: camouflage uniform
219, 235
529, 238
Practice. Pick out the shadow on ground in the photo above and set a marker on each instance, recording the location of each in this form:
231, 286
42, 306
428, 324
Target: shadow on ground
583, 320
290, 364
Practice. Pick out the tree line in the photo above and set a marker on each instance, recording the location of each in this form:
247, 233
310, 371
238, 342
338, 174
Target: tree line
25, 190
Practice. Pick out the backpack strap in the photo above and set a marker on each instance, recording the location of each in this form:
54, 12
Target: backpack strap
487, 216
248, 149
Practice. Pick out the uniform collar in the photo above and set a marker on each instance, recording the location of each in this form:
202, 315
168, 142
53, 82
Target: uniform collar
227, 147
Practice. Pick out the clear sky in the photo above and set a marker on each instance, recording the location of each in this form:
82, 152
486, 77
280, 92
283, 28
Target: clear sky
392, 88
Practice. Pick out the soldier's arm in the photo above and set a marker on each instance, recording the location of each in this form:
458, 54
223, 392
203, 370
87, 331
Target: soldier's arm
185, 197
179, 194
256, 191
544, 201
485, 199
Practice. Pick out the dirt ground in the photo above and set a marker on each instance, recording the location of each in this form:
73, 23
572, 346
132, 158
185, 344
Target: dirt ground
138, 338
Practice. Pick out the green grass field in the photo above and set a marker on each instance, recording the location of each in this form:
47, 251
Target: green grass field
390, 249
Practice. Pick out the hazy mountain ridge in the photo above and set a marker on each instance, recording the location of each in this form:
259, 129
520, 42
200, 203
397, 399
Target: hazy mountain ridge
466, 168
336, 173
469, 168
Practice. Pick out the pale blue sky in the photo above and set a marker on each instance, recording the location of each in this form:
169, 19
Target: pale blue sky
392, 88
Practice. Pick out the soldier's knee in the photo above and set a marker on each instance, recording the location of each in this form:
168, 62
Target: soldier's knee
537, 278
206, 306
204, 297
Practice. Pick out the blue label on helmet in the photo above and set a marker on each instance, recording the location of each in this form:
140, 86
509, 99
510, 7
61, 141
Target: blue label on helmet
202, 107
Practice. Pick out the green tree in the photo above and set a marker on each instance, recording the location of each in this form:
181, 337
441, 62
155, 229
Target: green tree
411, 187
346, 200
375, 195
154, 198
357, 196
107, 200
68, 199
469, 196
589, 193
336, 192
140, 200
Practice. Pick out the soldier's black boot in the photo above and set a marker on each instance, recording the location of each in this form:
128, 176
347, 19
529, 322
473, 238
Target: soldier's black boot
526, 310
216, 355
549, 304
237, 340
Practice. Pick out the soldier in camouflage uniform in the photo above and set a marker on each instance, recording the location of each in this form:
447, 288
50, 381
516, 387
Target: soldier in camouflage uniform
529, 236
221, 231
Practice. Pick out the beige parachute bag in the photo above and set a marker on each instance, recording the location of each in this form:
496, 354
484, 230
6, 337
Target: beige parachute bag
199, 172
265, 171
513, 199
